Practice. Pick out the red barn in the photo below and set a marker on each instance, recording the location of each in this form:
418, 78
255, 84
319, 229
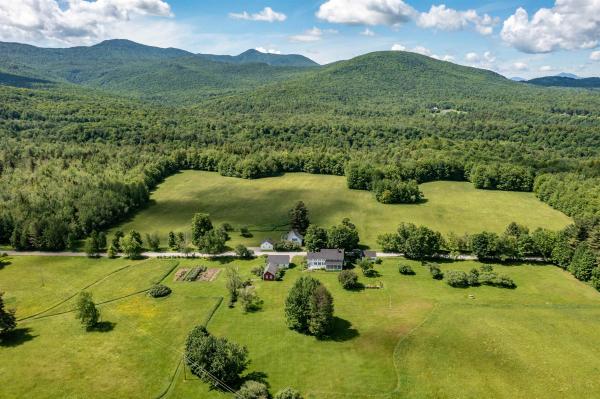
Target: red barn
270, 272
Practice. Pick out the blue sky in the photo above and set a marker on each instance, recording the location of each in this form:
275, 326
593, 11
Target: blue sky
515, 38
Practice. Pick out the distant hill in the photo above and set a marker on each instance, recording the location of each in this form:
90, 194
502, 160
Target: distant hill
375, 84
517, 79
567, 75
149, 72
255, 56
559, 81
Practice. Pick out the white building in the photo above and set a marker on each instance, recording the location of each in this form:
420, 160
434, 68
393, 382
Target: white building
294, 236
326, 259
267, 245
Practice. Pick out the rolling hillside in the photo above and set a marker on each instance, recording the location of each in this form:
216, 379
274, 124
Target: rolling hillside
563, 81
150, 73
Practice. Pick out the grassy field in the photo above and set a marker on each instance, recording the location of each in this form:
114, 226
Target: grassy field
415, 338
263, 205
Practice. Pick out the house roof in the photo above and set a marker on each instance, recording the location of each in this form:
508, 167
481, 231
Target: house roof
278, 259
271, 268
296, 233
327, 254
370, 254
268, 240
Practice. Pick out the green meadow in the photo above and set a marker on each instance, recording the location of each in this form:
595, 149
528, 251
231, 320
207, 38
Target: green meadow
262, 205
415, 338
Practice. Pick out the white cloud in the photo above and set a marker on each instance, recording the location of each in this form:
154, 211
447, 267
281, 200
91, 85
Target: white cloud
570, 24
266, 15
546, 68
595, 56
520, 66
72, 21
423, 51
267, 50
472, 57
448, 19
312, 35
366, 12
367, 32
396, 12
486, 60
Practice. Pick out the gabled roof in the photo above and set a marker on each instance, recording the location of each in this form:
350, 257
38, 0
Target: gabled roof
327, 254
278, 259
296, 233
271, 268
269, 240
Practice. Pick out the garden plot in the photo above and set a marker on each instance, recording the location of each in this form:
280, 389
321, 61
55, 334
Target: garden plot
198, 273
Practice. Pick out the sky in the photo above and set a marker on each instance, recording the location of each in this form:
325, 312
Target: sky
525, 38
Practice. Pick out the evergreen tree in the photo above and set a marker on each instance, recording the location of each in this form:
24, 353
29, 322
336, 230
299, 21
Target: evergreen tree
116, 240
172, 243
321, 312
299, 217
8, 321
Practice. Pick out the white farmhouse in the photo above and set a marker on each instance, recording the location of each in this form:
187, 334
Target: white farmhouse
294, 236
326, 259
267, 245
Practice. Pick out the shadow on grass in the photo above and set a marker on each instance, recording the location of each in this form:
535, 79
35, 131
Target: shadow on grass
342, 331
258, 376
4, 263
224, 260
357, 288
17, 337
103, 327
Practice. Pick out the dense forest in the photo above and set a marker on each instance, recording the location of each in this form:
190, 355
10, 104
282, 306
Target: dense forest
76, 157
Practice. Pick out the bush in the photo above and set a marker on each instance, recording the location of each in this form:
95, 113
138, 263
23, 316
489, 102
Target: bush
456, 278
348, 279
87, 312
249, 299
159, 291
436, 272
244, 252
257, 271
286, 246
227, 227
253, 390
406, 270
473, 277
288, 393
487, 278
245, 232
504, 282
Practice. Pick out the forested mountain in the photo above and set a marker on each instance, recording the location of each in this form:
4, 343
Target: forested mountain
147, 72
253, 57
562, 81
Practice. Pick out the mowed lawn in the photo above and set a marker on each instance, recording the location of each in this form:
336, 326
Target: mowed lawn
263, 205
415, 338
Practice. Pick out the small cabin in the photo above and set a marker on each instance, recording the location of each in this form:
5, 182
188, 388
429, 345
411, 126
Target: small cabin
267, 245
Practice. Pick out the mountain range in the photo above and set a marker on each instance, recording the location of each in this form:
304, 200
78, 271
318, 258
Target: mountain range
379, 83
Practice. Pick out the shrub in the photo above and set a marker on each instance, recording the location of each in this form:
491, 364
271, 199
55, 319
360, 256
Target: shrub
406, 270
456, 278
257, 271
227, 227
436, 272
487, 278
244, 252
253, 390
473, 277
249, 299
504, 282
367, 268
348, 279
286, 246
288, 393
486, 268
245, 232
195, 273
159, 291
